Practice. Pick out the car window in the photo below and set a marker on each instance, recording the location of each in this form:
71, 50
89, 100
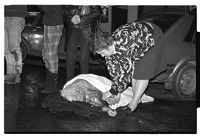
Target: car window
164, 21
190, 37
191, 33
29, 19
34, 19
34, 16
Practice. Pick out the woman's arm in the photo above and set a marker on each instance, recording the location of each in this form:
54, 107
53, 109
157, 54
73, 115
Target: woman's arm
120, 73
120, 64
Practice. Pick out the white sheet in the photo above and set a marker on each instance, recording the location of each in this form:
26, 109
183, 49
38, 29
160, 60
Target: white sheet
104, 85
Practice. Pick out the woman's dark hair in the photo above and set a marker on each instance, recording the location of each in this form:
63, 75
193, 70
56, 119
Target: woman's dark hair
102, 41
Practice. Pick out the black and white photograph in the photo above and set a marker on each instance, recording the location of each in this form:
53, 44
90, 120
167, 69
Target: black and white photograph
100, 69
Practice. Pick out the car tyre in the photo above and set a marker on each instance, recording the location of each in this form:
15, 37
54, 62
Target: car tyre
184, 82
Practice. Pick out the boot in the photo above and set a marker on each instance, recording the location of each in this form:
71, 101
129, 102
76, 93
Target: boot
51, 82
12, 76
12, 73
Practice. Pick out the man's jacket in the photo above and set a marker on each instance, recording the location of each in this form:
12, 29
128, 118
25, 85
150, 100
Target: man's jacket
88, 15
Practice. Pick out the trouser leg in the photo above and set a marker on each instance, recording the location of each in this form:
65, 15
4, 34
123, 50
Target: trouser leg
12, 52
14, 28
52, 35
71, 54
85, 52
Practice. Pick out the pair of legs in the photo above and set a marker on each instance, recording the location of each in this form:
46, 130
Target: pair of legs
138, 88
78, 37
12, 31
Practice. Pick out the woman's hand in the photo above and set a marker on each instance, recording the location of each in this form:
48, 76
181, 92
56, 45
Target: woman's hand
106, 95
111, 99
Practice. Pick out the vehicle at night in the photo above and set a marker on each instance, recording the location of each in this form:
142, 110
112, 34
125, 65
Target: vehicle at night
32, 39
180, 42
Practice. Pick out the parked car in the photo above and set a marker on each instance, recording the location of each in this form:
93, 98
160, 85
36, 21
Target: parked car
180, 42
32, 39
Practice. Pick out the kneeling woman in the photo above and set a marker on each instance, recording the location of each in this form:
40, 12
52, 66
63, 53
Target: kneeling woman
134, 54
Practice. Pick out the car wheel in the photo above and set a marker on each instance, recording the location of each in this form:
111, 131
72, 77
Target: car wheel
23, 50
184, 82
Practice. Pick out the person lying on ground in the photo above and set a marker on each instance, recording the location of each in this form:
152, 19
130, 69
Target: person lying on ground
91, 88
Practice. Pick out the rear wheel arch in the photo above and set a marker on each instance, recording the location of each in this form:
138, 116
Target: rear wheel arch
25, 48
180, 63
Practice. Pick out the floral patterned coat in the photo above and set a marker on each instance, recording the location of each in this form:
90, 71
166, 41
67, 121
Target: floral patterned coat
131, 42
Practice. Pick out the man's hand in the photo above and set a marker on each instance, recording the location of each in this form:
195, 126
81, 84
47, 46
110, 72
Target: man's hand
76, 19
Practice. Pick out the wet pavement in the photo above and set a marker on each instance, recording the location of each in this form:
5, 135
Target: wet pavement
23, 112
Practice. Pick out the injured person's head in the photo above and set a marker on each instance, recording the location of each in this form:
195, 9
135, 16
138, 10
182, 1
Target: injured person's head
82, 90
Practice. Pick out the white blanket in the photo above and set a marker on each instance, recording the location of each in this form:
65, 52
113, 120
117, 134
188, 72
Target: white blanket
104, 85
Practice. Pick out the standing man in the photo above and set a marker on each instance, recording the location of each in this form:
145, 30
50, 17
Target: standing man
13, 27
80, 22
53, 25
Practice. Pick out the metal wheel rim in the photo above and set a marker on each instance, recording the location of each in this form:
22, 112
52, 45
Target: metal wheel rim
188, 82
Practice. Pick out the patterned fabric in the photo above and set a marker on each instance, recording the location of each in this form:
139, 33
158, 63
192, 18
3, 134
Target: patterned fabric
131, 42
52, 35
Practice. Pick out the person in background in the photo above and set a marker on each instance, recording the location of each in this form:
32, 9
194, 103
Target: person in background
13, 26
134, 54
53, 26
80, 22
